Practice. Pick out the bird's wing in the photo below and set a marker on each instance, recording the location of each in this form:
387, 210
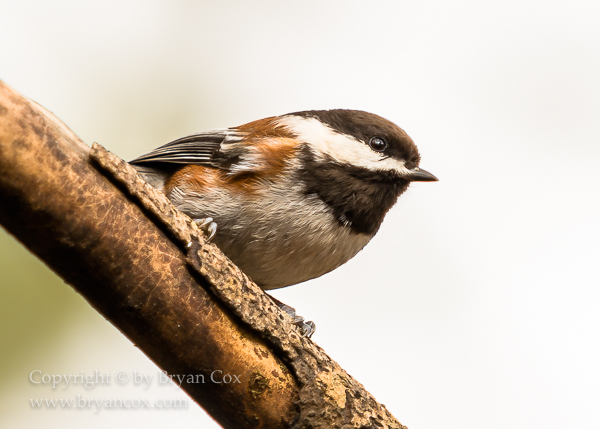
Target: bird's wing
201, 149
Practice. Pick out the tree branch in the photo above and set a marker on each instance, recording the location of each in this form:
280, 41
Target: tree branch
150, 272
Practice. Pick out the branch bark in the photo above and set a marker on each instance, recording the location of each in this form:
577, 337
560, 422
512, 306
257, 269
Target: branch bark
150, 272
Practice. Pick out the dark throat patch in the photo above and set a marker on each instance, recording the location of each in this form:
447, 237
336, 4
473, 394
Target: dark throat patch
359, 198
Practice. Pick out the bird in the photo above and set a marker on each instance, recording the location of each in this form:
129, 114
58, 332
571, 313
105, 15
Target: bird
292, 197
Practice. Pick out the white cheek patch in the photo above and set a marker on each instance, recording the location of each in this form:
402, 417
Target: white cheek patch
340, 147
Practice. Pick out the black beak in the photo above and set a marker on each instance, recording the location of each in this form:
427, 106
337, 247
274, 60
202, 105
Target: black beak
420, 175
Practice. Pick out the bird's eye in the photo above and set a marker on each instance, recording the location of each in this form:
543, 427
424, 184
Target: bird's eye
377, 144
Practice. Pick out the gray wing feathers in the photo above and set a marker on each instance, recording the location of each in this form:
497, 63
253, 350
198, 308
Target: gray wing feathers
151, 175
194, 149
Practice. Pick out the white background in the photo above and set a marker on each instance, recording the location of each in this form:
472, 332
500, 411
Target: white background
475, 306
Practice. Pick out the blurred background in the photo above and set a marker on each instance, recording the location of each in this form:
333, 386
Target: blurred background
475, 306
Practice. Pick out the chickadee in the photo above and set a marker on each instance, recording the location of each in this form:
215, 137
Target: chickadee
294, 196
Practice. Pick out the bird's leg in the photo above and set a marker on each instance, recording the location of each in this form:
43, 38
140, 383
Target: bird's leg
208, 225
307, 328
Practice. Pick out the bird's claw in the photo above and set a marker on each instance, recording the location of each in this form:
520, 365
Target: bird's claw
208, 225
307, 328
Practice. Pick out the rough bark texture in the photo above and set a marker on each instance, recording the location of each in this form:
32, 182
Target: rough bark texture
92, 235
148, 270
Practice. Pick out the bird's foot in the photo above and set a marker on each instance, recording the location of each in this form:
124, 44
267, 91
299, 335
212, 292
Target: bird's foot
307, 328
208, 226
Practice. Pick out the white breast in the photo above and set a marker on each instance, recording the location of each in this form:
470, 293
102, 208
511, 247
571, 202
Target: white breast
280, 238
